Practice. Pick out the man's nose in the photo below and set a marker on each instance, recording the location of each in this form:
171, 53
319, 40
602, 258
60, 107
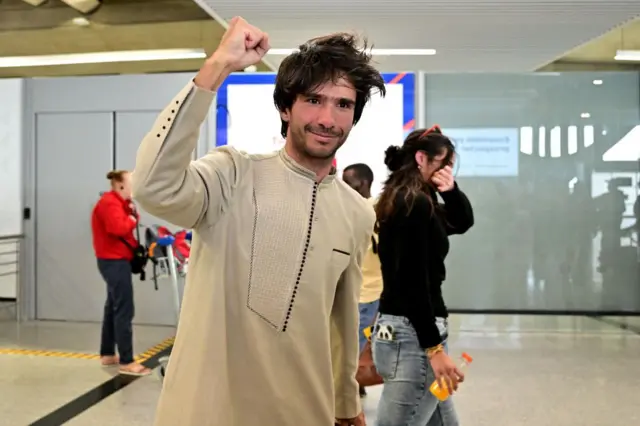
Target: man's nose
325, 117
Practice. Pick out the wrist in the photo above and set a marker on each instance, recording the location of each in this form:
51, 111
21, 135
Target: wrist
214, 71
434, 350
222, 61
448, 189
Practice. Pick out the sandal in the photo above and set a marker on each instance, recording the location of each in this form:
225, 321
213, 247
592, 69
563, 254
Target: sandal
134, 369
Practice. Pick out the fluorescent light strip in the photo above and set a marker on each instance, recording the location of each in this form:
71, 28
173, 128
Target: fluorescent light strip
542, 141
377, 52
627, 55
101, 57
526, 140
588, 135
572, 140
555, 145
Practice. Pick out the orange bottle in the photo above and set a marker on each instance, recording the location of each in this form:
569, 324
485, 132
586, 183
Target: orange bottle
443, 393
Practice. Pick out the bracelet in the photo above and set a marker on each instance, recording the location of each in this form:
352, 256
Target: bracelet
434, 350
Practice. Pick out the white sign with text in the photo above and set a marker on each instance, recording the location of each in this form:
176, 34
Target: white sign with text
486, 151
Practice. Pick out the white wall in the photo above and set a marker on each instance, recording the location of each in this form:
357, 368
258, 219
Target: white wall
11, 125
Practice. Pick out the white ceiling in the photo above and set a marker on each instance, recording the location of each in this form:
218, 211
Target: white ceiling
469, 35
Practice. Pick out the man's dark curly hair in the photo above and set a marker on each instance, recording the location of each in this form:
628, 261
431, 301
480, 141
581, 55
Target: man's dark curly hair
325, 59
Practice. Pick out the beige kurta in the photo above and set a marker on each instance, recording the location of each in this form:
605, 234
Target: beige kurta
268, 333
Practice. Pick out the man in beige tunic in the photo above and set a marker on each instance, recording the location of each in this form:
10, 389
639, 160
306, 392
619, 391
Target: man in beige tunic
268, 333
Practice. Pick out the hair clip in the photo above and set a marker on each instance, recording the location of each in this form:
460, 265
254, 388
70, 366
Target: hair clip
430, 129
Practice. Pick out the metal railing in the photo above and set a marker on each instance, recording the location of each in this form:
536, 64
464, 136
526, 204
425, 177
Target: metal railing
10, 271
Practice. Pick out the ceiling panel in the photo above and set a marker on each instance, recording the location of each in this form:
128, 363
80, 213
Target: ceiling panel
117, 25
19, 15
204, 34
481, 35
602, 50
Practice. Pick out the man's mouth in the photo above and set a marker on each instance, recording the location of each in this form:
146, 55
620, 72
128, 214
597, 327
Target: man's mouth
323, 137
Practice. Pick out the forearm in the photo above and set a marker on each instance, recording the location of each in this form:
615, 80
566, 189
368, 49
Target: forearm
346, 354
213, 73
121, 227
116, 221
459, 212
421, 313
165, 182
414, 274
346, 321
425, 326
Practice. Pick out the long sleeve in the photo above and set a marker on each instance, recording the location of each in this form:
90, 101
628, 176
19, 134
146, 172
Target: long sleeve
413, 273
458, 211
167, 183
115, 219
344, 330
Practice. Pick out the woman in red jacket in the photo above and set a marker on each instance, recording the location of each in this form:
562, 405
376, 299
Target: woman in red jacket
113, 221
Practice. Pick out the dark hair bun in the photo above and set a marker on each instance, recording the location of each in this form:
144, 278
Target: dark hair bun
393, 157
116, 175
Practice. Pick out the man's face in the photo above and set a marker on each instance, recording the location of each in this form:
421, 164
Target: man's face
320, 122
350, 178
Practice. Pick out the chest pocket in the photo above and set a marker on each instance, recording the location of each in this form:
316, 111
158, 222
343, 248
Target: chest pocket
338, 262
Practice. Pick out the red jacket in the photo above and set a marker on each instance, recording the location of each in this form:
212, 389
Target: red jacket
111, 221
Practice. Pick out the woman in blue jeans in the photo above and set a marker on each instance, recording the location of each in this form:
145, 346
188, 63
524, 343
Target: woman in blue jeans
410, 336
113, 221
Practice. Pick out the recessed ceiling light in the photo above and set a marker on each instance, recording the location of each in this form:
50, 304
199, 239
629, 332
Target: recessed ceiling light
627, 55
81, 22
101, 57
585, 115
597, 82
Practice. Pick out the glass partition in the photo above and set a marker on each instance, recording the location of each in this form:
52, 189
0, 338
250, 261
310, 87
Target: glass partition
551, 164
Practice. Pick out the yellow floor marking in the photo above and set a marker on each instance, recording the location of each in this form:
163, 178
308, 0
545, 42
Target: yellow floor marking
154, 350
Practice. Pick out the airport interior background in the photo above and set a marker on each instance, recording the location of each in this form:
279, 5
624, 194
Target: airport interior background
541, 98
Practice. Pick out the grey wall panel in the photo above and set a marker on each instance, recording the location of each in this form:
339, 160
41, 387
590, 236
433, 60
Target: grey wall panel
74, 153
136, 101
152, 307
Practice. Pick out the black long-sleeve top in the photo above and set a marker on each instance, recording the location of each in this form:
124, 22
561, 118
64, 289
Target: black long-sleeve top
413, 245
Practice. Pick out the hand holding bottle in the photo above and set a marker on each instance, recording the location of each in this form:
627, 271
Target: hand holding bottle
448, 375
441, 390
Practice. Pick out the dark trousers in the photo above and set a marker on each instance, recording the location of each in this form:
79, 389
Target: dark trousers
118, 310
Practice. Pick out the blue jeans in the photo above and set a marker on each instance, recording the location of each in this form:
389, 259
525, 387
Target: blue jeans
368, 313
118, 310
407, 373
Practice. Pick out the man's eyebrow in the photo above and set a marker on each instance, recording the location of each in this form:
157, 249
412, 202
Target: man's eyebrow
341, 99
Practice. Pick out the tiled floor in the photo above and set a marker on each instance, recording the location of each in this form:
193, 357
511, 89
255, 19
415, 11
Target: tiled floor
527, 370
31, 386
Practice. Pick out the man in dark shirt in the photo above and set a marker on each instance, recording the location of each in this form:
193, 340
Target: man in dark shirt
360, 177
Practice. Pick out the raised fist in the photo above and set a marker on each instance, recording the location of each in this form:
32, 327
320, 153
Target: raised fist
242, 45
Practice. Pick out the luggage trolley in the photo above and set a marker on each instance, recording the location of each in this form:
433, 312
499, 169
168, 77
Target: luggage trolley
168, 266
